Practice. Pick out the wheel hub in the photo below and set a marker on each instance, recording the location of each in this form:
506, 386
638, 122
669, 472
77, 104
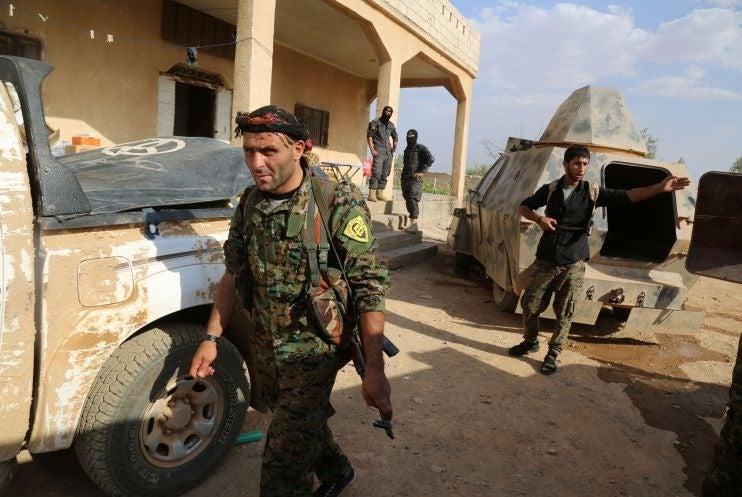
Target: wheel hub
177, 417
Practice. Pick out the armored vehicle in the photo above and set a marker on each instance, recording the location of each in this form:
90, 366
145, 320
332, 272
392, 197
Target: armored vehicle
637, 252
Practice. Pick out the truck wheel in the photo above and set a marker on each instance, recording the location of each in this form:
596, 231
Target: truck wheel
7, 470
504, 300
148, 429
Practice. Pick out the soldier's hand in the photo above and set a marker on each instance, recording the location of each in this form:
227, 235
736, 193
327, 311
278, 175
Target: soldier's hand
373, 152
418, 175
672, 183
203, 359
377, 392
547, 223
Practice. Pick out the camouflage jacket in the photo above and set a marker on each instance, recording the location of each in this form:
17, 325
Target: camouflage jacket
268, 257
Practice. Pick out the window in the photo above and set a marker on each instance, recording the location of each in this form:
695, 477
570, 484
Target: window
317, 122
189, 27
20, 46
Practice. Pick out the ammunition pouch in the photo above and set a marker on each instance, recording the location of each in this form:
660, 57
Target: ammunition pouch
330, 306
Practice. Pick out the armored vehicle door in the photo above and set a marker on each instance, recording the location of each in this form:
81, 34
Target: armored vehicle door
468, 228
716, 243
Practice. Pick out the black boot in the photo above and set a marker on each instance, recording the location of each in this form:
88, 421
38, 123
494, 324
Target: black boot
523, 348
549, 366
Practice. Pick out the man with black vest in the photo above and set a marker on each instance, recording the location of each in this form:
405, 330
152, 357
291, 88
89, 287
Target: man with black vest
559, 267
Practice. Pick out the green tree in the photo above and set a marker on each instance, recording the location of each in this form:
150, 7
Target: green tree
651, 143
737, 166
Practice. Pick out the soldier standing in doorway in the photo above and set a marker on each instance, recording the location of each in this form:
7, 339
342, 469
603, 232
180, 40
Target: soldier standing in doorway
380, 131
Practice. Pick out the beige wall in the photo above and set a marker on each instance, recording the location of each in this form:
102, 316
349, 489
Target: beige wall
111, 89
301, 79
105, 88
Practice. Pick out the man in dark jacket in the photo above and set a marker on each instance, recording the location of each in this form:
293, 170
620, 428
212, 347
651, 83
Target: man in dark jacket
417, 159
380, 132
559, 267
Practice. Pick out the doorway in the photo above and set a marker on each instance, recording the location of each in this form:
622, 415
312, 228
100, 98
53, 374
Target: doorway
194, 110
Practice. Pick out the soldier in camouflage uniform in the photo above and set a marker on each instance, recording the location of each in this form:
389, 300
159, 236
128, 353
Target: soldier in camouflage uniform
724, 478
266, 262
559, 267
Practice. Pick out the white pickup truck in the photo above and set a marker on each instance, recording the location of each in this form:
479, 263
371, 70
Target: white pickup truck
109, 264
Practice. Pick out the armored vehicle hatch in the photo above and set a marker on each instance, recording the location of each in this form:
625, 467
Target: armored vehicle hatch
637, 252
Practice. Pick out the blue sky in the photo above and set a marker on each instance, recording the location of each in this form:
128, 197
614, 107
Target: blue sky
677, 63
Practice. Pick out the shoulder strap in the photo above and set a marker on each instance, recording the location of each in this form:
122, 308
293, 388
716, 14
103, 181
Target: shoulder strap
594, 190
315, 227
322, 190
552, 188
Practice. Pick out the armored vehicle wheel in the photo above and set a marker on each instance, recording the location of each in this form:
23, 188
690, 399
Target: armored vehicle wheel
7, 470
504, 300
148, 429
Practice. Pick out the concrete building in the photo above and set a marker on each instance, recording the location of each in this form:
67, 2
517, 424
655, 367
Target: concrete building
122, 67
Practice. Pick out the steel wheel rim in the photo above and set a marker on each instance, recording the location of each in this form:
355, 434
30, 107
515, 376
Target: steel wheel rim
181, 422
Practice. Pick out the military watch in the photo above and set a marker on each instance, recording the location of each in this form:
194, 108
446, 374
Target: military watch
211, 338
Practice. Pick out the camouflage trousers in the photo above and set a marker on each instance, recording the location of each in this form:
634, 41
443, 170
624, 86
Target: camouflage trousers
299, 444
565, 284
724, 478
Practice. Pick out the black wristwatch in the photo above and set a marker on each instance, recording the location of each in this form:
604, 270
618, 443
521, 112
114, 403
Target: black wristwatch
211, 338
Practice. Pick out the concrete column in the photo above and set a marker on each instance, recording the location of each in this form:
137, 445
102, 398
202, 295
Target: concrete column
253, 59
461, 137
390, 72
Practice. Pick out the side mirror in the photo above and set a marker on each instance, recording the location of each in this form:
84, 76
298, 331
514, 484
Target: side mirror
716, 242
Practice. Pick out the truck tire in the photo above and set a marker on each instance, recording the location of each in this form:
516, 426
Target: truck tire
505, 300
148, 429
7, 470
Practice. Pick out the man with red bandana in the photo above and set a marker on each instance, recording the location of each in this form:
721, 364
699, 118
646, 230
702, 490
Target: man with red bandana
267, 273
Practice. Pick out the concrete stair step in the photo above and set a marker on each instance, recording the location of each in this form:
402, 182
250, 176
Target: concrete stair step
388, 222
407, 256
390, 240
396, 204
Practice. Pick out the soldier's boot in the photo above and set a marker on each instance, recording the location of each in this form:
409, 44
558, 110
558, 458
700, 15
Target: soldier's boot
333, 489
371, 196
523, 348
549, 366
380, 195
412, 228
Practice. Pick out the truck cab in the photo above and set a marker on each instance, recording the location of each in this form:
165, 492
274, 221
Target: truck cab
110, 261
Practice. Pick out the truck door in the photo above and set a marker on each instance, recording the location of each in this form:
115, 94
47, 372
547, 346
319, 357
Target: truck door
716, 243
17, 332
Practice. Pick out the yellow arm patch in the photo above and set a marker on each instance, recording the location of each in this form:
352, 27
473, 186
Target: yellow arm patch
357, 230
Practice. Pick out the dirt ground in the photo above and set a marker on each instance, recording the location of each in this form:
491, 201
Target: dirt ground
624, 415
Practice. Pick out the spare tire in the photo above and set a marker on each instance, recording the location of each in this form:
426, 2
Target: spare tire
148, 429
